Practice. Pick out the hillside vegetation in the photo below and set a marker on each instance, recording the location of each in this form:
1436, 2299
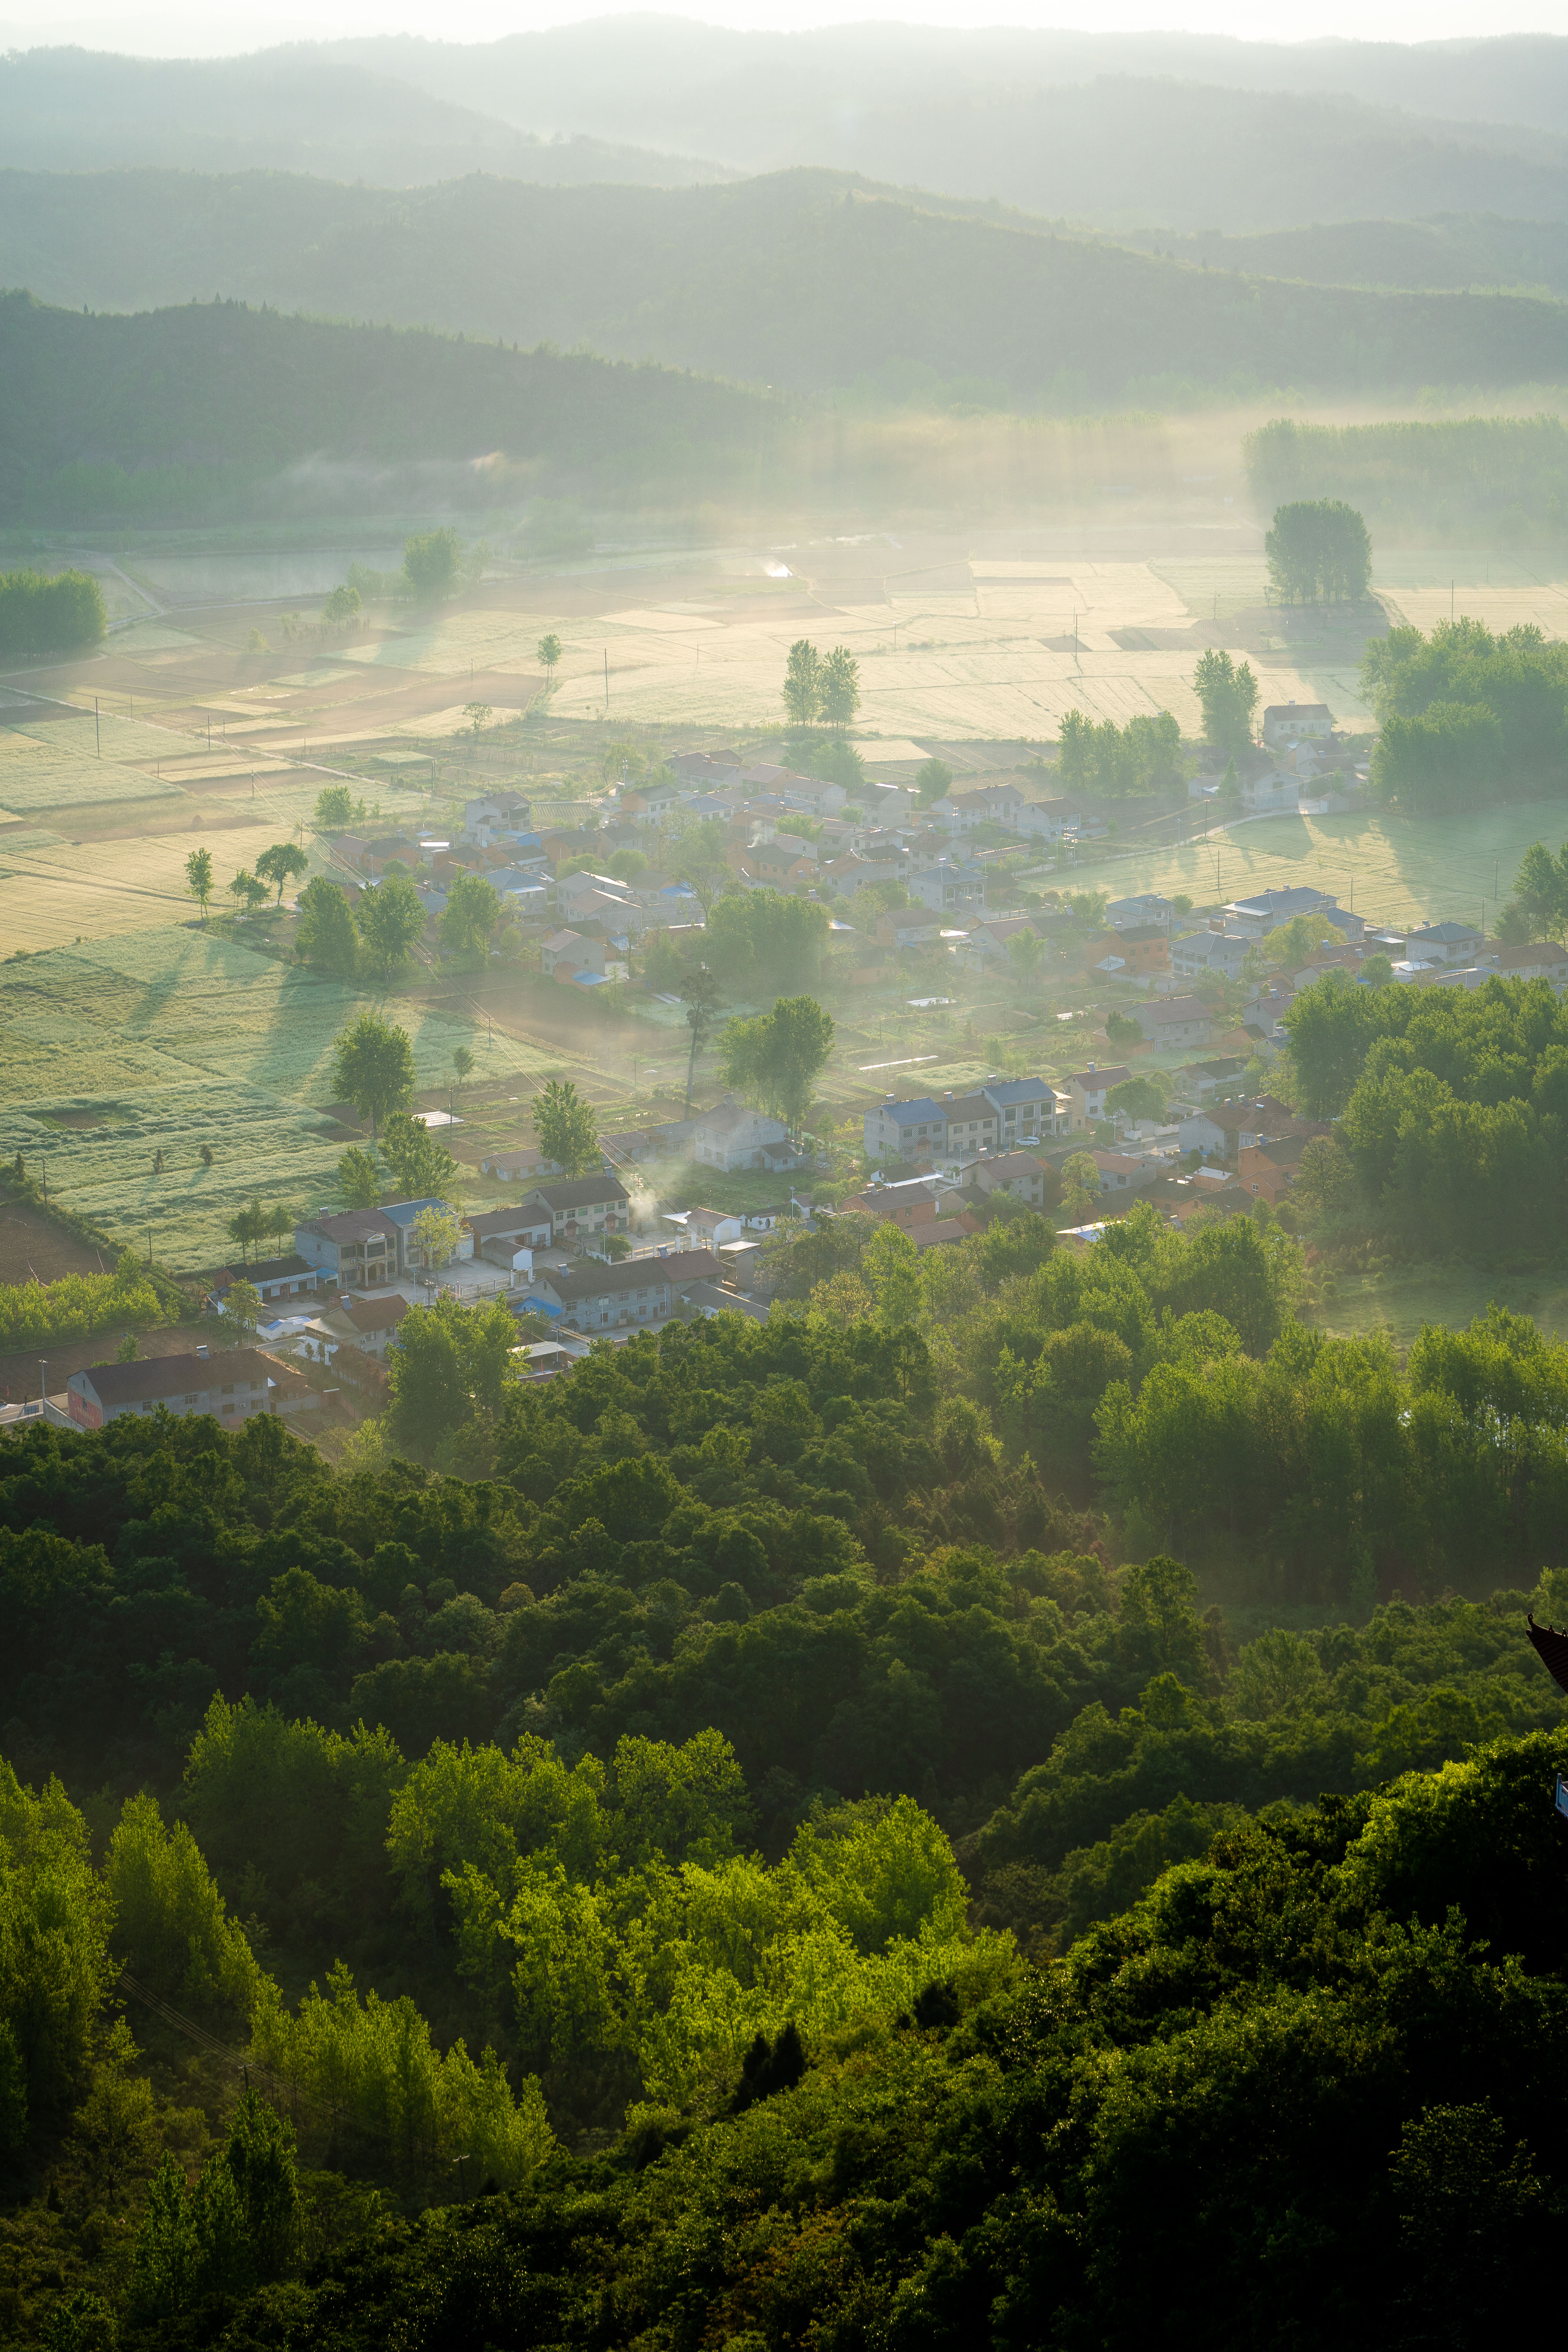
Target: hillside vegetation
804, 278
763, 99
1476, 480
217, 399
1449, 251
293, 110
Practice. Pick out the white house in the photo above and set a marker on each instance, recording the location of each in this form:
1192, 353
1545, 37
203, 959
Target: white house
1288, 723
735, 1136
1046, 820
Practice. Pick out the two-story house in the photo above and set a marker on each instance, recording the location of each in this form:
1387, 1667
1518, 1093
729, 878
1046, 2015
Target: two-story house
1086, 1091
356, 1249
579, 1207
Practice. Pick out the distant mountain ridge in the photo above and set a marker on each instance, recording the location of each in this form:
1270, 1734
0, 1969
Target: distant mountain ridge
669, 80
299, 111
805, 281
1120, 151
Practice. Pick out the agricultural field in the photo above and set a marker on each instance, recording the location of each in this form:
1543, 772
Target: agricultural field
114, 1051
55, 892
1391, 869
996, 648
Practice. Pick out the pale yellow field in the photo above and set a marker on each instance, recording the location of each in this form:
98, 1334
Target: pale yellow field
1388, 868
1501, 590
52, 895
986, 661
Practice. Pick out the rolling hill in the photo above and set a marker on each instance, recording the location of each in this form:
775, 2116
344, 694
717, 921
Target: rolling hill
755, 98
213, 404
298, 110
802, 280
1449, 251
1117, 150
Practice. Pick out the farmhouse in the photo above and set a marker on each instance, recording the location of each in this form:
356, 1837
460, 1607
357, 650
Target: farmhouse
271, 1277
1176, 1020
233, 1387
1086, 1091
734, 1137
356, 1250
1288, 723
577, 1206
499, 1234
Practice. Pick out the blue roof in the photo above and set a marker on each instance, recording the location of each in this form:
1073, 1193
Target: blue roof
1285, 902
1018, 1090
914, 1114
403, 1212
533, 1305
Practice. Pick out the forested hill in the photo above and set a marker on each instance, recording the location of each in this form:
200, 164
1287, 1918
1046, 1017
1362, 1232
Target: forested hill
806, 279
290, 109
1449, 250
249, 393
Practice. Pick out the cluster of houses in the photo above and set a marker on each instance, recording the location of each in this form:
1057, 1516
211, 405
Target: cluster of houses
553, 866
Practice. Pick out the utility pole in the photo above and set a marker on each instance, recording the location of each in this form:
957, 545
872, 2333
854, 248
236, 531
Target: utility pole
44, 1384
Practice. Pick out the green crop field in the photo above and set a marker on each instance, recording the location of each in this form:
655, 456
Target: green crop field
166, 1040
1399, 870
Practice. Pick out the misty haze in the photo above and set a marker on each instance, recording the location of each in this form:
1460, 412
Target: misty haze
783, 1189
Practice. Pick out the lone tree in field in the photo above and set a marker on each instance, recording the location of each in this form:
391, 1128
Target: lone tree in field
246, 892
335, 807
432, 560
777, 1058
199, 877
549, 653
839, 693
326, 934
280, 864
1319, 548
247, 1226
803, 683
567, 1130
390, 918
478, 716
372, 1068
463, 1063
473, 911
1229, 697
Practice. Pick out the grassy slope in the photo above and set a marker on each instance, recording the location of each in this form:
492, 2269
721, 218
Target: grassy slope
802, 278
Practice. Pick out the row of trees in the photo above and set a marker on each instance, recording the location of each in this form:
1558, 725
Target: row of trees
1319, 548
42, 613
1145, 756
818, 687
1450, 1103
1465, 713
275, 869
1118, 763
